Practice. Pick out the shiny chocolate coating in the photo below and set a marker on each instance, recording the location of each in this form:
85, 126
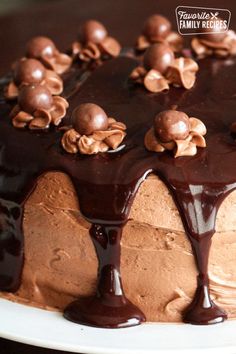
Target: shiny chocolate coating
28, 71
93, 31
34, 97
158, 56
171, 125
216, 34
39, 47
88, 118
156, 27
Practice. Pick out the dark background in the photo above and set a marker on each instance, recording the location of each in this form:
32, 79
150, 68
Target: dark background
60, 19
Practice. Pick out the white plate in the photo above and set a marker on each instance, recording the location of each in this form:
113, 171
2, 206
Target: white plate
49, 329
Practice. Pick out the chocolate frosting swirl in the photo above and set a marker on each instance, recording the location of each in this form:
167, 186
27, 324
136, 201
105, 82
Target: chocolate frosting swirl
59, 63
207, 47
43, 49
186, 146
49, 79
40, 117
157, 29
181, 72
99, 141
95, 44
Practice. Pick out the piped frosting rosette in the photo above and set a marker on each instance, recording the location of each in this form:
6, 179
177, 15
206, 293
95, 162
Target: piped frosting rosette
175, 131
37, 109
161, 69
94, 43
93, 131
29, 72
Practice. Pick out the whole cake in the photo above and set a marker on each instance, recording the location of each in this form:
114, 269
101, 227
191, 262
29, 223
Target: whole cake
118, 174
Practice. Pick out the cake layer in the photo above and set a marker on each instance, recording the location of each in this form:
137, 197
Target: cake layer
157, 265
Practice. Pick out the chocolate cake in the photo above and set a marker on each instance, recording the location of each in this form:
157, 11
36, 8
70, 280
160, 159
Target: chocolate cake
118, 170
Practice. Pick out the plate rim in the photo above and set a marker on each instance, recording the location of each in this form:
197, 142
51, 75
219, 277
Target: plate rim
74, 347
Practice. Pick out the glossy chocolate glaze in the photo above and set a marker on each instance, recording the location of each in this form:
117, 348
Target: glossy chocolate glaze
106, 184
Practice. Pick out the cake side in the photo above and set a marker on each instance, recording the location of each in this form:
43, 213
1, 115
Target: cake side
157, 264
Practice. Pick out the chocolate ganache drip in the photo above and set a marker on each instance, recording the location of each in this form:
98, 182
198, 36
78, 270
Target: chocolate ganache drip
106, 183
